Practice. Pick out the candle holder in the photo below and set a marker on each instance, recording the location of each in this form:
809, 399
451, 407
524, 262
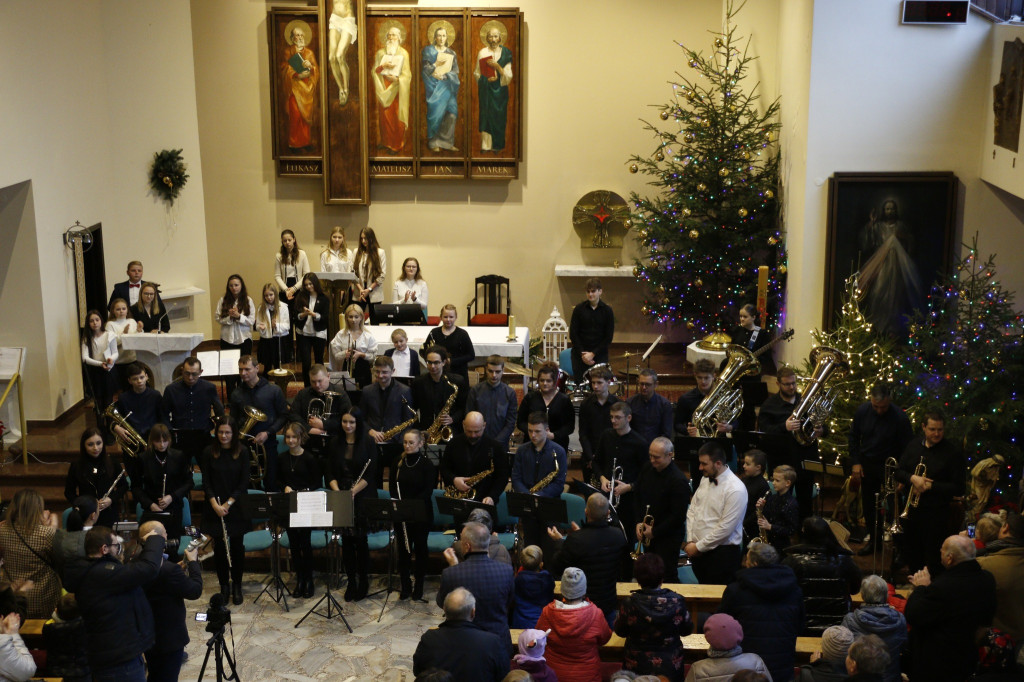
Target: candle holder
511, 329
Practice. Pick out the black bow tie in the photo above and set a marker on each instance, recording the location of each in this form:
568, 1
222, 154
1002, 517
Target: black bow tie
713, 479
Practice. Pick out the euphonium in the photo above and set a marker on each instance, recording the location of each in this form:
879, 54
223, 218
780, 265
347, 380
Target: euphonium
131, 443
259, 452
816, 402
914, 497
438, 433
641, 545
724, 402
456, 494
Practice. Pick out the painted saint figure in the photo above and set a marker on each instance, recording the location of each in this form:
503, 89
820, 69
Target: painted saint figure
341, 36
889, 278
493, 72
300, 71
392, 78
440, 72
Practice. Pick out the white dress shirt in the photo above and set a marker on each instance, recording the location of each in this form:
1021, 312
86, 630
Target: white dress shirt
715, 516
235, 331
417, 286
343, 340
403, 361
336, 261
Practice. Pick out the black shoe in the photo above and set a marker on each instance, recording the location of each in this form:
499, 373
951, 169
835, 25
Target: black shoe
417, 592
236, 595
406, 590
310, 590
352, 589
300, 588
225, 591
363, 589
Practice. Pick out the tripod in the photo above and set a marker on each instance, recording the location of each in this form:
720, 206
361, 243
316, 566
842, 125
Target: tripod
219, 648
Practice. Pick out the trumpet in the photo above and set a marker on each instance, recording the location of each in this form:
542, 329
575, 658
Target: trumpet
614, 497
914, 497
131, 443
641, 544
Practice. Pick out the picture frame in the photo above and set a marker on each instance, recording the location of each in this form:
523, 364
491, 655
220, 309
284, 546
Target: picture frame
296, 120
393, 84
495, 100
897, 230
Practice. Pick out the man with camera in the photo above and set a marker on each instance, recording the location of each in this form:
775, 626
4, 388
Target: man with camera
118, 619
166, 596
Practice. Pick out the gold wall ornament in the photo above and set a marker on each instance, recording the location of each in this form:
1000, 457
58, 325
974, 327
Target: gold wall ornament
600, 219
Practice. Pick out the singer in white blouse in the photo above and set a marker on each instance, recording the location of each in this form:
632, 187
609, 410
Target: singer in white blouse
354, 347
336, 257
370, 265
411, 287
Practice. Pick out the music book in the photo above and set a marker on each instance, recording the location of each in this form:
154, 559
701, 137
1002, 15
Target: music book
219, 362
444, 63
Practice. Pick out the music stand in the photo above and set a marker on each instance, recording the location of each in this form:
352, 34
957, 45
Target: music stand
339, 504
272, 506
460, 509
583, 489
392, 512
819, 467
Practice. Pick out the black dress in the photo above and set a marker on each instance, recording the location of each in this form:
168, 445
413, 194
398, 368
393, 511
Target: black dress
226, 477
301, 472
459, 346
347, 461
159, 474
415, 478
94, 476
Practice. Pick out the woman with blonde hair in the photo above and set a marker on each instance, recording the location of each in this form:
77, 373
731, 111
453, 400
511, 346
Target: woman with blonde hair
354, 348
336, 256
27, 544
454, 339
274, 325
149, 311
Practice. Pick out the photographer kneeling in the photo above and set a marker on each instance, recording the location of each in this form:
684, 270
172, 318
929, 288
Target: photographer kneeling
118, 619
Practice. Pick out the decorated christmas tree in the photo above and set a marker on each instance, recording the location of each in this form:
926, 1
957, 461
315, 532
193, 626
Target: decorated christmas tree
715, 161
870, 358
965, 356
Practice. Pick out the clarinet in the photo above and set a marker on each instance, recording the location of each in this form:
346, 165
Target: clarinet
163, 487
227, 541
405, 529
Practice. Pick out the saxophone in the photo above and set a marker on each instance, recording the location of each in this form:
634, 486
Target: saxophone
454, 493
395, 430
539, 485
437, 433
762, 535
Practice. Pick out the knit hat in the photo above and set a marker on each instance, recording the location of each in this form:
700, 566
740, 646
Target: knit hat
835, 642
723, 632
574, 583
532, 643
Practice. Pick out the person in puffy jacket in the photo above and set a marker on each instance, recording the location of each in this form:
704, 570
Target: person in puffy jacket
826, 573
877, 617
725, 655
768, 603
652, 620
578, 630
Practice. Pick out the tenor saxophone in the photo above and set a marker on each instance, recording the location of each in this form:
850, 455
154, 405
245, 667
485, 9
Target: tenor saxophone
542, 483
456, 494
438, 433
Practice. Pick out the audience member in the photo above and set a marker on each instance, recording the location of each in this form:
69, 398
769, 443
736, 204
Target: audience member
826, 573
64, 638
578, 629
167, 595
598, 548
868, 658
1006, 564
534, 588
750, 676
828, 664
725, 655
435, 675
767, 602
119, 622
482, 575
986, 532
70, 542
29, 549
531, 656
495, 549
16, 663
460, 645
877, 617
780, 514
945, 614
652, 620
517, 676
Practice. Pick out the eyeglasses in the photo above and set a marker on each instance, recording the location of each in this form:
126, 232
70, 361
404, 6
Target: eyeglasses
192, 374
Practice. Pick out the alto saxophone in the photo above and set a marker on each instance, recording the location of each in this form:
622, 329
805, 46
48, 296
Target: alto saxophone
542, 483
456, 494
392, 432
762, 535
438, 433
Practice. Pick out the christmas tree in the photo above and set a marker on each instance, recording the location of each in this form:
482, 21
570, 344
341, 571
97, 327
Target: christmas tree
870, 359
964, 357
716, 221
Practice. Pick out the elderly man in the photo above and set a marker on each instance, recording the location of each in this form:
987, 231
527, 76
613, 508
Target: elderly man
1007, 566
392, 77
496, 401
471, 455
301, 73
255, 391
598, 548
945, 614
493, 73
662, 492
714, 521
652, 413
767, 601
461, 646
483, 576
877, 617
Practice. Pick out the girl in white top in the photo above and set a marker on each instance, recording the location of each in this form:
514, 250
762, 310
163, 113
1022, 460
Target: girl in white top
411, 287
236, 314
290, 264
336, 257
119, 324
311, 324
353, 349
369, 263
273, 325
99, 353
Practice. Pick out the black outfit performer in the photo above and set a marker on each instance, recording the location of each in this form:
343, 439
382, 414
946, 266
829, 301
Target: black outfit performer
429, 396
318, 442
754, 391
226, 477
166, 596
757, 487
151, 322
628, 451
459, 346
315, 345
300, 473
384, 409
158, 474
772, 420
93, 476
140, 410
347, 460
465, 458
590, 329
416, 478
594, 421
668, 494
187, 410
927, 525
269, 399
561, 415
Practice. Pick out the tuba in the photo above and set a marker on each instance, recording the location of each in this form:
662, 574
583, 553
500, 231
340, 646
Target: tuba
437, 433
259, 453
132, 443
816, 402
724, 401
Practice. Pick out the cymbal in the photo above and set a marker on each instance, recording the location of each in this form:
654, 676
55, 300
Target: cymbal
514, 368
625, 356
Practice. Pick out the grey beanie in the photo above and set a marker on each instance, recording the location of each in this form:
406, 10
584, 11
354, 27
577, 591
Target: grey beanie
574, 583
835, 642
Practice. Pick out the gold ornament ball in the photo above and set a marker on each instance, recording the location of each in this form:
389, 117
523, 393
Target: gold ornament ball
644, 310
687, 212
664, 116
719, 42
705, 122
691, 95
698, 282
627, 223
723, 172
689, 325
636, 271
690, 137
768, 194
694, 235
659, 156
772, 241
782, 269
983, 424
742, 271
694, 63
702, 187
633, 168
743, 212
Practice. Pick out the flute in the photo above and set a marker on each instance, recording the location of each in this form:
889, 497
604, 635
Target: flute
163, 488
116, 481
227, 541
359, 479
405, 529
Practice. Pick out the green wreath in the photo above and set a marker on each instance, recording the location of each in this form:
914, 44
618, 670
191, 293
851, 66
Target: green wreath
167, 176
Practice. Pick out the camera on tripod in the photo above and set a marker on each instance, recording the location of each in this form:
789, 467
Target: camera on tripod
217, 615
196, 540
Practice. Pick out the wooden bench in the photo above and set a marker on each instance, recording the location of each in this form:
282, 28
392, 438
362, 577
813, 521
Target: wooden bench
696, 647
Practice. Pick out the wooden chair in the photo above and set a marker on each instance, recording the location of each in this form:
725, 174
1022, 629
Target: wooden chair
495, 302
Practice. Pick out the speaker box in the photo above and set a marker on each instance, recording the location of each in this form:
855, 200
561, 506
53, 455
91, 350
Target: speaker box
949, 12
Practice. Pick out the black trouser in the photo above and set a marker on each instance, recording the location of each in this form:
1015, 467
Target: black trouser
417, 533
164, 666
220, 558
719, 565
668, 550
355, 555
309, 345
191, 442
869, 485
387, 456
299, 540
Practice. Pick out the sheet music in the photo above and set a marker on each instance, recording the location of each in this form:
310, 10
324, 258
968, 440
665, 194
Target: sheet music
210, 360
322, 519
228, 365
298, 520
311, 502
